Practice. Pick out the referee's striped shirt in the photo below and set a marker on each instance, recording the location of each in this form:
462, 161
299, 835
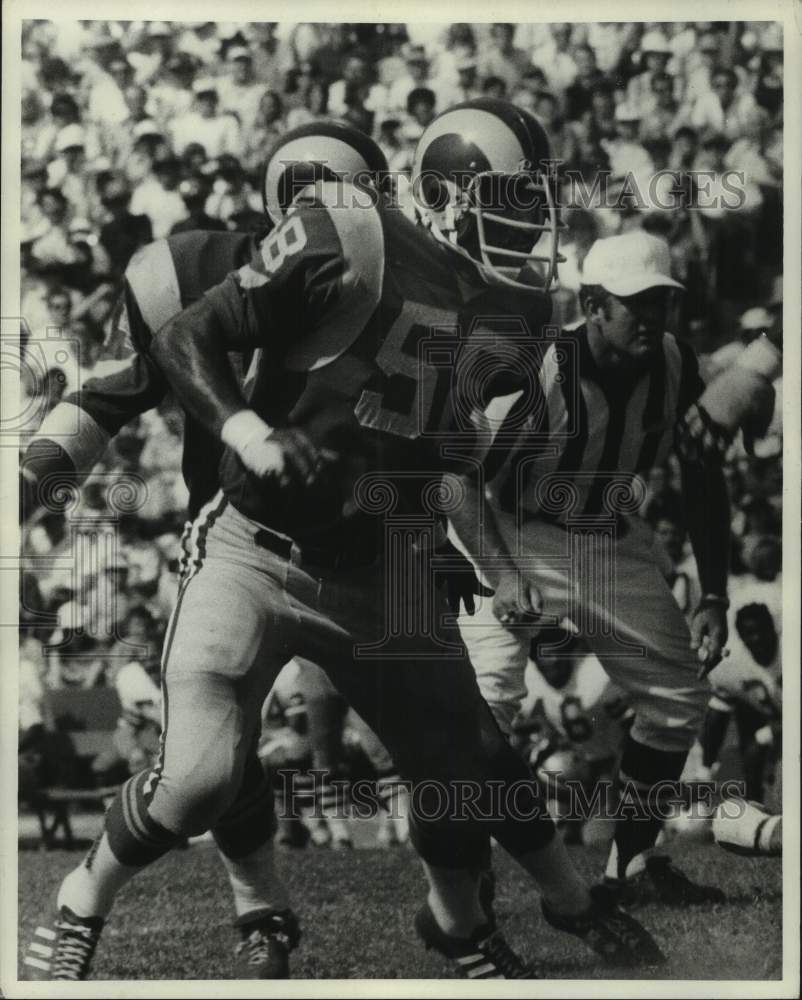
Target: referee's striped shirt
573, 444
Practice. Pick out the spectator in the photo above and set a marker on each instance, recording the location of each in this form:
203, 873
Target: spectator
659, 113
769, 87
241, 93
356, 74
106, 105
554, 58
627, 155
356, 113
268, 127
157, 198
32, 125
601, 117
466, 86
459, 47
232, 199
34, 183
52, 246
421, 110
171, 96
562, 140
684, 148
118, 143
194, 194
501, 59
315, 105
193, 160
533, 83
578, 96
124, 232
655, 53
723, 111
699, 67
217, 133
393, 143
63, 111
152, 52
69, 171
415, 76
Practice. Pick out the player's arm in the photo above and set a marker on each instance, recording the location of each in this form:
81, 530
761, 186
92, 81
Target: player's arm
74, 435
287, 287
707, 512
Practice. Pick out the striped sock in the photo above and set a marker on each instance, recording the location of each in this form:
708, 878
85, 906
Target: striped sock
130, 840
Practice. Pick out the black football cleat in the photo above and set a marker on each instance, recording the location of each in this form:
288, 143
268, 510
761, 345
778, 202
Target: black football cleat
268, 937
613, 934
662, 882
64, 949
484, 955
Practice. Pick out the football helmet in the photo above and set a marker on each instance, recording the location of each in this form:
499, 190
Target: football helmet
319, 151
480, 180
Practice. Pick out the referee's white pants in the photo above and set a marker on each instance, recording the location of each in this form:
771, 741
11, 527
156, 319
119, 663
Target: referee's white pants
615, 594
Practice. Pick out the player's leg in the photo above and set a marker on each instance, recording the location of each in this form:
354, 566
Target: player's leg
466, 780
756, 744
325, 713
392, 793
211, 701
718, 715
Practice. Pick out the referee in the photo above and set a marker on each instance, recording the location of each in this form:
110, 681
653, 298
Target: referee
549, 521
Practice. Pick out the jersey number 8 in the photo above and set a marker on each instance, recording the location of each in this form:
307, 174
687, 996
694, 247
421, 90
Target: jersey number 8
288, 239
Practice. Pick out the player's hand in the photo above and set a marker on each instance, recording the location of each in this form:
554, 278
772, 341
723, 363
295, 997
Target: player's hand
288, 455
516, 600
737, 399
457, 575
708, 636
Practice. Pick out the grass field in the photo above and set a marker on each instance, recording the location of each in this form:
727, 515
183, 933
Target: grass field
173, 921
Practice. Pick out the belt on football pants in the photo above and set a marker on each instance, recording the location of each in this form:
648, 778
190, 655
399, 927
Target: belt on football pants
352, 558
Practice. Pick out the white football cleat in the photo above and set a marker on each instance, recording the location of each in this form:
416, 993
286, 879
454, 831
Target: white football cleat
747, 828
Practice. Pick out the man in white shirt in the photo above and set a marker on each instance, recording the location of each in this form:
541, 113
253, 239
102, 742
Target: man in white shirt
724, 111
157, 197
502, 58
217, 133
356, 73
241, 93
416, 75
554, 58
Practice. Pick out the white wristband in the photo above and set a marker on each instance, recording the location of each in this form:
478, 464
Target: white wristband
243, 429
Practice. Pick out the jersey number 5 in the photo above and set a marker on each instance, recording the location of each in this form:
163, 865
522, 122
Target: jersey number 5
412, 394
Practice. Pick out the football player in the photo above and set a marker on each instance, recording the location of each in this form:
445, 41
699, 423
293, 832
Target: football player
585, 721
161, 280
338, 424
747, 688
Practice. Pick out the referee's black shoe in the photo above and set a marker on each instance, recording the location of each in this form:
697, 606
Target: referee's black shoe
662, 882
612, 933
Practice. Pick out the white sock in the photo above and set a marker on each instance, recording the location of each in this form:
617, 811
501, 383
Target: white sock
764, 841
89, 889
635, 866
255, 882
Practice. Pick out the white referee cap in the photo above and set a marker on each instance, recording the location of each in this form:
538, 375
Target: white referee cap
629, 263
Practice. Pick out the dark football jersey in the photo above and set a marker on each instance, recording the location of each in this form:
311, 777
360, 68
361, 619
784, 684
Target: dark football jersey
358, 320
162, 279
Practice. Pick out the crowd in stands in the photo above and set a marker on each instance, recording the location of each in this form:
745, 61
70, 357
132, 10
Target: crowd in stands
135, 130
